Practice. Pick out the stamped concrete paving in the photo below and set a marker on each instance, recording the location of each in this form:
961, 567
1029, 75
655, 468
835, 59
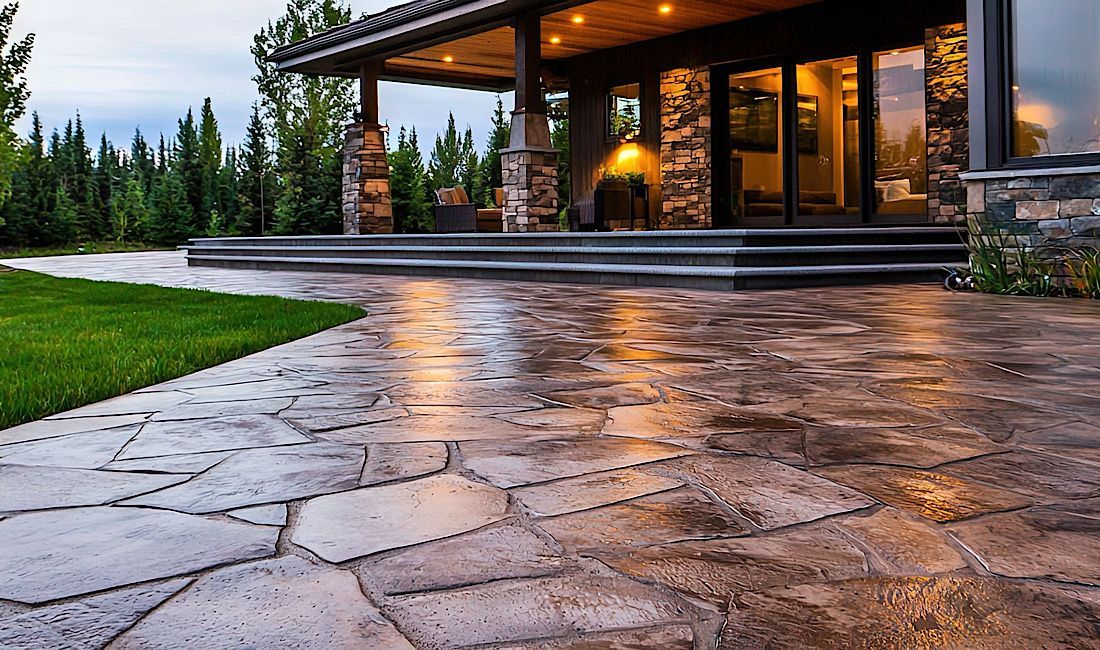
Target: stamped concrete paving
480, 464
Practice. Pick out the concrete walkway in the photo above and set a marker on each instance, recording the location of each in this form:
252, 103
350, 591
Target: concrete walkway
523, 466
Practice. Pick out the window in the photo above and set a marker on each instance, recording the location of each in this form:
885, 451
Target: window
828, 137
624, 120
1054, 77
900, 122
755, 137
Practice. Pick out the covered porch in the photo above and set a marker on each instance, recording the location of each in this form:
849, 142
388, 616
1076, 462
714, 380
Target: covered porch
718, 114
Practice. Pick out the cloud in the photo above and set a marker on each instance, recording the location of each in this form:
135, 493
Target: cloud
129, 63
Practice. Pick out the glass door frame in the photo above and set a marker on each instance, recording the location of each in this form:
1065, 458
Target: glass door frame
721, 167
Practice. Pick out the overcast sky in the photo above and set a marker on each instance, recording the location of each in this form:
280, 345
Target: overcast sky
129, 63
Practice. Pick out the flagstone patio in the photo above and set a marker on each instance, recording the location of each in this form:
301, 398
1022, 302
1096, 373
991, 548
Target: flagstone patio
526, 466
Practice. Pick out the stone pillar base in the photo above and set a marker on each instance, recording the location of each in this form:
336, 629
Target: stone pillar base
530, 190
367, 207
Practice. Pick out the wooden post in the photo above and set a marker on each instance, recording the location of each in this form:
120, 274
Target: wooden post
529, 65
368, 91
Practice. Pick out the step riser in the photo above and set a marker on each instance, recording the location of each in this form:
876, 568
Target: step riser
953, 257
613, 279
863, 238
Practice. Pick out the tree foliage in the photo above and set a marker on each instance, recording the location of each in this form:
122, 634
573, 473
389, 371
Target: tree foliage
14, 58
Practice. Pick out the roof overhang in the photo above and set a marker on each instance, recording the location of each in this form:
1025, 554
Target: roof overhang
470, 43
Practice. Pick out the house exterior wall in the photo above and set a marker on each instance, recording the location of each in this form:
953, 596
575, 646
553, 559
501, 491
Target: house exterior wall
686, 181
677, 136
1036, 209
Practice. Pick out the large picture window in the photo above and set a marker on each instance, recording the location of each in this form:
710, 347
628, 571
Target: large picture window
1054, 76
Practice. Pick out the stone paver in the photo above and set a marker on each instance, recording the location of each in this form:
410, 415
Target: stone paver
354, 524
546, 466
285, 602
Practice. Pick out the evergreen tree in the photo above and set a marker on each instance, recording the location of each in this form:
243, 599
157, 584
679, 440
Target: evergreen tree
257, 184
171, 218
142, 162
187, 166
228, 193
13, 96
311, 187
129, 213
491, 170
412, 209
559, 139
446, 162
107, 173
470, 169
61, 225
210, 160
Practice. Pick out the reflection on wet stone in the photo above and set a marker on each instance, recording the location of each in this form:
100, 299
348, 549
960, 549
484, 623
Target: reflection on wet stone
591, 490
911, 612
478, 557
712, 571
673, 516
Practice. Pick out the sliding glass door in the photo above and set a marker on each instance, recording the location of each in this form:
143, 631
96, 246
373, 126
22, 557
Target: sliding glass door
838, 141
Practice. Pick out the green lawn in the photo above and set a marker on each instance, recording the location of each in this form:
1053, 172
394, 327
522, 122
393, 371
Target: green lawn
65, 343
77, 249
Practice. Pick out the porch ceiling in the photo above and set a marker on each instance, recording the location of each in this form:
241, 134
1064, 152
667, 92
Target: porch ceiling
487, 59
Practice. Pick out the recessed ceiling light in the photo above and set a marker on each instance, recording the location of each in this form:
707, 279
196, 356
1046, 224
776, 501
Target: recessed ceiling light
665, 9
578, 19
448, 59
555, 40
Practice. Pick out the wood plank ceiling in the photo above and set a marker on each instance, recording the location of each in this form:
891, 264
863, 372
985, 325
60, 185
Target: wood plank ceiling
489, 56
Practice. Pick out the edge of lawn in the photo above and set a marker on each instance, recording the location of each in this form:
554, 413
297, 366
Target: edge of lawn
72, 342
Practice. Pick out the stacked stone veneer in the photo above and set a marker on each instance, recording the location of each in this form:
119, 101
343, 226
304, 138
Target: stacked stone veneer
945, 56
367, 204
1036, 211
530, 190
685, 149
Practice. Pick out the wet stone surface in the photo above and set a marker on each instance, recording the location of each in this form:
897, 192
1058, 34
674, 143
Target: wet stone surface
354, 524
285, 602
529, 466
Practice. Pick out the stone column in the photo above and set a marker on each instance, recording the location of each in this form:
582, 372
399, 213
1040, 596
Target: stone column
686, 173
530, 164
945, 54
530, 190
367, 206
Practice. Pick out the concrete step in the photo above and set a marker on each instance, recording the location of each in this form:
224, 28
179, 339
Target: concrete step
663, 238
745, 256
689, 277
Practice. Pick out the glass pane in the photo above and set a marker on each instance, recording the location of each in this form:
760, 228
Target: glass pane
828, 137
901, 147
1055, 77
756, 156
625, 107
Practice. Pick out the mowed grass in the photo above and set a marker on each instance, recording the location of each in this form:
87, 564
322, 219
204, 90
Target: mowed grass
65, 343
78, 249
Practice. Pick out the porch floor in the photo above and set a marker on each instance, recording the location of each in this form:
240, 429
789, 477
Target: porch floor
499, 464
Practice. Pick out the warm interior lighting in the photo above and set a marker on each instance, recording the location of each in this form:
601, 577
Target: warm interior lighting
578, 19
555, 40
448, 59
665, 9
628, 158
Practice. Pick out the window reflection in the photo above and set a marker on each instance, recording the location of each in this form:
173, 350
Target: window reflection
901, 146
756, 157
1055, 77
625, 112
